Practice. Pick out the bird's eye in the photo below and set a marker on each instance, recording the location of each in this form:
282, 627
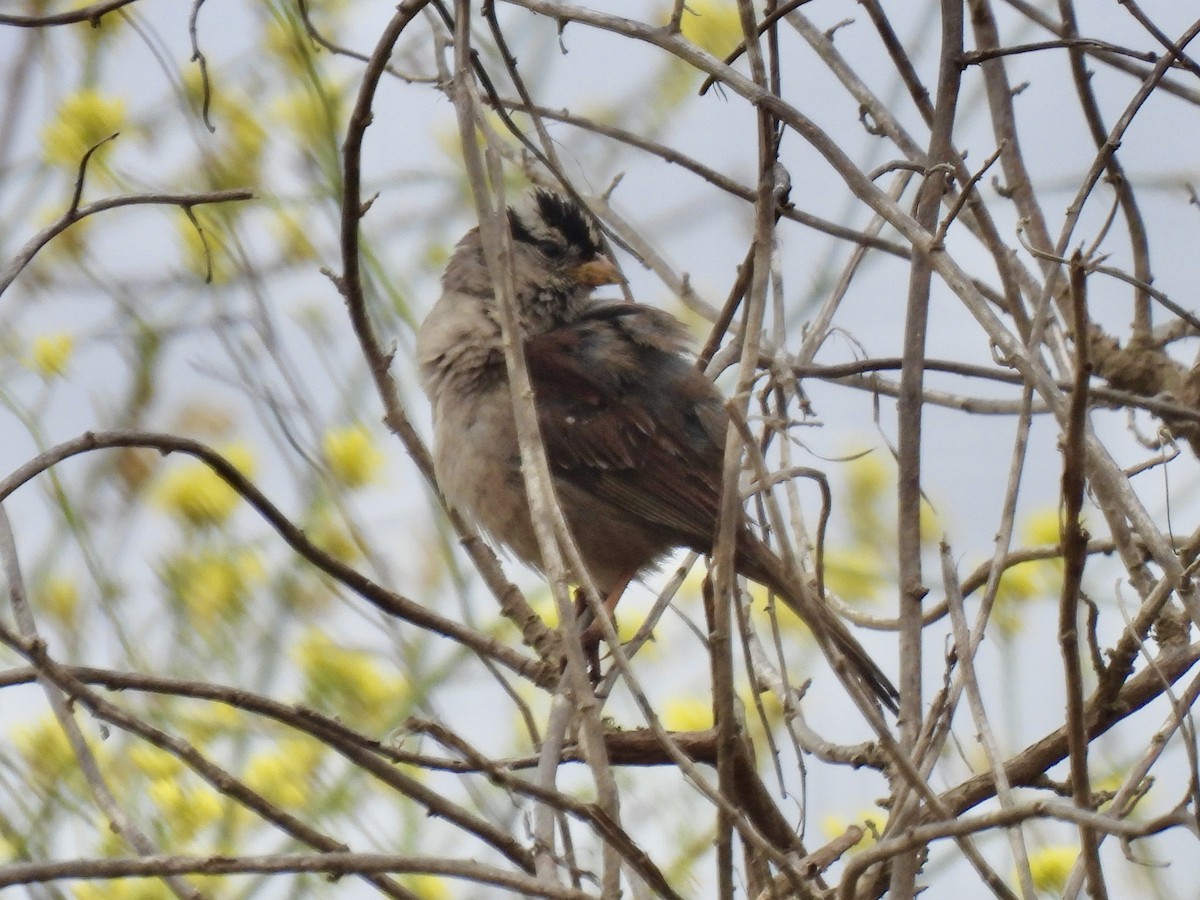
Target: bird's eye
551, 250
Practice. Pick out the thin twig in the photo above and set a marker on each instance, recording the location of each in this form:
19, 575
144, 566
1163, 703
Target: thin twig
385, 600
1074, 544
185, 201
92, 14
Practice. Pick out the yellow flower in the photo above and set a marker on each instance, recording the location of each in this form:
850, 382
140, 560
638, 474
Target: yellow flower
868, 477
211, 721
206, 254
630, 618
349, 680
285, 773
199, 496
45, 750
428, 887
285, 39
155, 763
1041, 528
303, 752
352, 455
312, 114
854, 574
1050, 867
213, 586
872, 821
292, 237
1018, 585
772, 706
274, 776
712, 25
51, 354
58, 595
233, 156
122, 888
188, 809
239, 160
543, 603
333, 537
99, 30
1111, 783
687, 714
84, 119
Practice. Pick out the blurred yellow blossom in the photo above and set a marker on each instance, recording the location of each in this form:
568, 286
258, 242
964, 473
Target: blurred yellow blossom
284, 38
83, 120
428, 887
868, 477
274, 775
352, 454
349, 681
213, 585
313, 114
1050, 867
199, 496
542, 602
100, 29
854, 574
58, 597
687, 714
123, 889
206, 249
154, 763
45, 750
772, 706
188, 809
712, 25
872, 821
630, 618
293, 238
1041, 528
51, 354
929, 525
1112, 782
330, 535
1018, 585
233, 158
211, 721
304, 752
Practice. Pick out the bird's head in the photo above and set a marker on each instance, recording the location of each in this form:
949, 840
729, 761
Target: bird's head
558, 260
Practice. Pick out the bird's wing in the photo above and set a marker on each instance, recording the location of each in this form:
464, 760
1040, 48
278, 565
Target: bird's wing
626, 418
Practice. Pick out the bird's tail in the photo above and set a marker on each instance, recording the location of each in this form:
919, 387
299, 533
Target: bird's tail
758, 562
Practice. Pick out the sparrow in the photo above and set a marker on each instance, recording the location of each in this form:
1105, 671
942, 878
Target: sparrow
634, 433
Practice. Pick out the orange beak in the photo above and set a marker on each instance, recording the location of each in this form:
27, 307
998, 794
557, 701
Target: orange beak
597, 272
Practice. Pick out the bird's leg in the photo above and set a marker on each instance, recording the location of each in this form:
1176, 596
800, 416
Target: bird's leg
591, 635
591, 649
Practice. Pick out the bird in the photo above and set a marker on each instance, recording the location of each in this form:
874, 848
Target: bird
634, 432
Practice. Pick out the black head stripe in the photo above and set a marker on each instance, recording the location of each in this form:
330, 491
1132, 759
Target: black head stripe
518, 230
565, 217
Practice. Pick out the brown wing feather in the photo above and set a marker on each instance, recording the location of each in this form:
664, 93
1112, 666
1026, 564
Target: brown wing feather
630, 421
608, 389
